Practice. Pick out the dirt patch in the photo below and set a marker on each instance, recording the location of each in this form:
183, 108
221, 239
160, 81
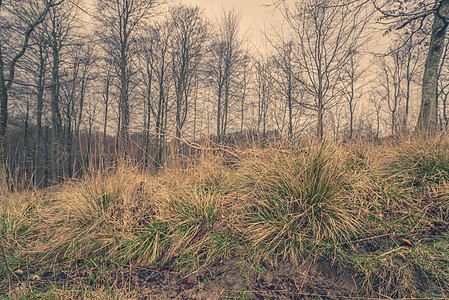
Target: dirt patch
285, 281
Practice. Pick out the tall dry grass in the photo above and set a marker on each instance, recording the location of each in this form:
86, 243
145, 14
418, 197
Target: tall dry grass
314, 202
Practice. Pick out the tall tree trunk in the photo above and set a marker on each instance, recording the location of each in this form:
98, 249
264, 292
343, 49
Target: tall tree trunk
55, 115
25, 141
160, 119
81, 104
224, 122
71, 118
124, 105
89, 144
219, 114
428, 115
320, 110
106, 108
290, 109
3, 123
47, 155
242, 116
117, 138
39, 109
407, 92
148, 120
243, 100
265, 109
164, 131
445, 116
179, 97
351, 120
195, 109
393, 123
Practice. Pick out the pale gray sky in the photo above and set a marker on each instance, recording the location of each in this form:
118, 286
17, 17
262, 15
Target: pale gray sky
254, 13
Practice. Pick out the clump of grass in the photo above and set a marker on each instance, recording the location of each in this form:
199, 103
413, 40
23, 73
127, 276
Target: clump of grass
443, 204
17, 219
147, 245
390, 274
360, 155
390, 207
435, 202
401, 271
419, 161
199, 230
298, 202
188, 224
92, 216
127, 217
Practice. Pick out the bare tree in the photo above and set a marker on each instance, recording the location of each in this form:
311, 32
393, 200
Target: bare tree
443, 90
106, 94
189, 36
264, 90
244, 89
79, 74
42, 69
411, 53
325, 33
156, 46
398, 15
285, 78
8, 64
391, 86
120, 23
353, 74
146, 66
61, 31
31, 78
377, 102
223, 67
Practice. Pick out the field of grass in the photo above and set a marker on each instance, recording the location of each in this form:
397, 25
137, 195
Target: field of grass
359, 220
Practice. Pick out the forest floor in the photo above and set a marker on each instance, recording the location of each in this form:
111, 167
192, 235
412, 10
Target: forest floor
360, 220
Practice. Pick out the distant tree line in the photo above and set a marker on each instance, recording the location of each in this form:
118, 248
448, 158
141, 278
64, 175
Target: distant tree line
89, 86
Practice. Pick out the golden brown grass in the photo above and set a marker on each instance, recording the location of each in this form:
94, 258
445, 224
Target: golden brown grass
317, 202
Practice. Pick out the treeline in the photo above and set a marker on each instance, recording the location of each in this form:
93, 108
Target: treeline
88, 83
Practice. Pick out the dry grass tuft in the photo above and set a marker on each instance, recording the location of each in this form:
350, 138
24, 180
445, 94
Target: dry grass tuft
92, 216
419, 161
19, 213
297, 202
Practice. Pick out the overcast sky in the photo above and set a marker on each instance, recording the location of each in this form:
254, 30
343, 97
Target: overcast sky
254, 13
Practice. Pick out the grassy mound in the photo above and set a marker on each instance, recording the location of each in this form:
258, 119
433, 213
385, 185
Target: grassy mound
379, 213
299, 203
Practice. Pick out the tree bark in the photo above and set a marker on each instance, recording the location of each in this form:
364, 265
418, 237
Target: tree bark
3, 123
320, 109
290, 107
55, 114
148, 119
39, 109
26, 149
428, 115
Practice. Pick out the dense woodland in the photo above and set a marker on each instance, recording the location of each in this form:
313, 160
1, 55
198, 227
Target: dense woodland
149, 150
86, 82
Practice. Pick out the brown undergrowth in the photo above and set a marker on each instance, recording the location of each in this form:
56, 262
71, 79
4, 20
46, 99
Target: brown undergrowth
356, 220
